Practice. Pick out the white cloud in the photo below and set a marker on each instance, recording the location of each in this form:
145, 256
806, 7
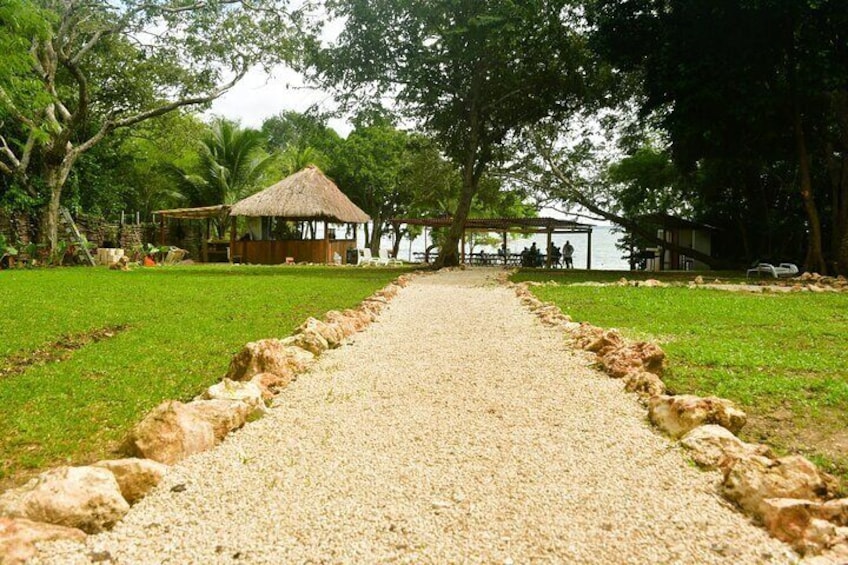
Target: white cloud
259, 96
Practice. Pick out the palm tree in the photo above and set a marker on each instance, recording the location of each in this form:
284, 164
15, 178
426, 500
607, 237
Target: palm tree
231, 164
294, 159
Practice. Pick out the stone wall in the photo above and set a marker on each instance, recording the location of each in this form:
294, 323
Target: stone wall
16, 227
19, 229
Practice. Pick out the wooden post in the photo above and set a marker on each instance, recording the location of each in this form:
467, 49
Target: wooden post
232, 238
205, 246
463, 246
589, 251
548, 248
327, 258
161, 228
505, 250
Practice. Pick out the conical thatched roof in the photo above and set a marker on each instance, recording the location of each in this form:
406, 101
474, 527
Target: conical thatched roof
305, 195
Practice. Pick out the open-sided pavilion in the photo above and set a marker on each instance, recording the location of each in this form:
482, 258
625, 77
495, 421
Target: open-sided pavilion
306, 196
504, 226
219, 212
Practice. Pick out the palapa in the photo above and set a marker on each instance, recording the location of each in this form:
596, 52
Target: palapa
305, 195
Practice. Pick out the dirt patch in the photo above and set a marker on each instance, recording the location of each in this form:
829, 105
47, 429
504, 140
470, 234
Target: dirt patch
823, 438
56, 351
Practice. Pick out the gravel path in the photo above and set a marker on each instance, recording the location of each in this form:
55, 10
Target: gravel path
455, 429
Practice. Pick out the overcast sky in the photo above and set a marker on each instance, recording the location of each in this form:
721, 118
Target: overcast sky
259, 96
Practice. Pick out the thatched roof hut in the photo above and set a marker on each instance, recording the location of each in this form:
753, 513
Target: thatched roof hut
305, 195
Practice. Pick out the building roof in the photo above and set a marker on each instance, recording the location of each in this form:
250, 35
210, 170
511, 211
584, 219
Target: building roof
305, 195
194, 213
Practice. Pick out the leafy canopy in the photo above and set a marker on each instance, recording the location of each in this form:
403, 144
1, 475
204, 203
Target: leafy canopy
470, 72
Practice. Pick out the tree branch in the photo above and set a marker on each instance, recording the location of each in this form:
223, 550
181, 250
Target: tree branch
164, 109
110, 125
17, 114
27, 153
88, 45
181, 9
630, 225
10, 155
79, 114
505, 97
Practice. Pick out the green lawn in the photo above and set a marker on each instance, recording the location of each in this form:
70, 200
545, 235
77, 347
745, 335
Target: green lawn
174, 328
784, 357
565, 276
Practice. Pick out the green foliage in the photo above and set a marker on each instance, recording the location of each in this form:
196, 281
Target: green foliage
472, 73
146, 151
181, 326
232, 159
369, 164
231, 163
6, 248
290, 129
298, 140
648, 182
78, 71
753, 98
21, 21
510, 63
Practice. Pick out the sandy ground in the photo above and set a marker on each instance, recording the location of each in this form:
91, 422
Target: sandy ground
456, 429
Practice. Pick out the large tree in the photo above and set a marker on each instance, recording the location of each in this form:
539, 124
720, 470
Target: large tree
369, 166
79, 70
299, 140
471, 73
753, 85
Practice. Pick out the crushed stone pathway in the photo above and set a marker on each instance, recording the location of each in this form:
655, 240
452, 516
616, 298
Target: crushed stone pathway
456, 429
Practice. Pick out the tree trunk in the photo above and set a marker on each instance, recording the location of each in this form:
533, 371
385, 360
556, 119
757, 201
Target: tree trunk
815, 259
472, 169
55, 175
843, 255
449, 253
50, 218
376, 234
396, 243
427, 251
839, 182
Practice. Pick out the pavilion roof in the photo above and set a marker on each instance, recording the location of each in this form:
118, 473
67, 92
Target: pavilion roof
305, 195
194, 213
540, 225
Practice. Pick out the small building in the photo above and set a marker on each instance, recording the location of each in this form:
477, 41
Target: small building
680, 232
306, 197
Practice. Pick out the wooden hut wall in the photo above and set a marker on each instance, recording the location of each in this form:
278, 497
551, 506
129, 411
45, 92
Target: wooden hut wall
301, 250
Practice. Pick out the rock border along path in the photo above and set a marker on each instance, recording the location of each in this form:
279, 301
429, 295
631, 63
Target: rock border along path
457, 428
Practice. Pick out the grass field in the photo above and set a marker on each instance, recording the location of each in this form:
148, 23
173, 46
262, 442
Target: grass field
84, 353
783, 357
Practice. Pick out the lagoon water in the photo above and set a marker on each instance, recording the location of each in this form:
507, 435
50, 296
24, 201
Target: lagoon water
605, 256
